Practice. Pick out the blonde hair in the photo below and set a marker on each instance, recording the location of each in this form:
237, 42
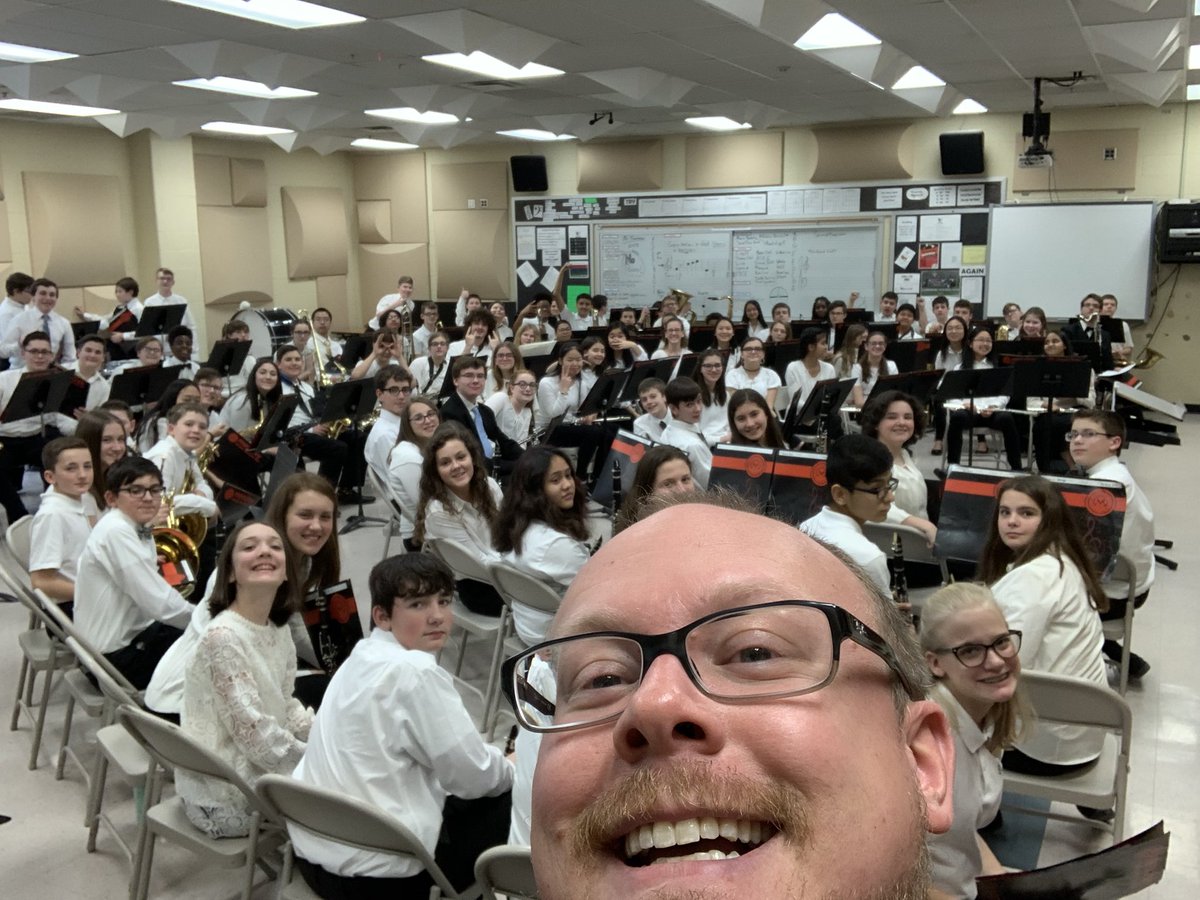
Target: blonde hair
1009, 719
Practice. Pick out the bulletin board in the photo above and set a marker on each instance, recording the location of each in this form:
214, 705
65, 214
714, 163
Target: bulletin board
940, 254
544, 250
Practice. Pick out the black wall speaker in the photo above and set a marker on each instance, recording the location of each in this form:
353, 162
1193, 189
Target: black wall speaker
529, 174
962, 152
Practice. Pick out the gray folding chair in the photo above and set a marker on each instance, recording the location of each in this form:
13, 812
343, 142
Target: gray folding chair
915, 549
519, 588
171, 748
1122, 579
506, 870
384, 493
1076, 701
348, 821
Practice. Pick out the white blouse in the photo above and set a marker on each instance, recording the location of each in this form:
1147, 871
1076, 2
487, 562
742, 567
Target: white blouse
552, 402
462, 523
714, 420
912, 496
404, 480
800, 382
762, 380
516, 425
238, 703
888, 368
550, 556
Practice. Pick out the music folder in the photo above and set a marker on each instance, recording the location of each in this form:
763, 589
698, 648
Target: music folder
236, 462
228, 357
605, 394
351, 400
1052, 378
277, 422
136, 386
36, 394
334, 627
967, 384
158, 320
746, 470
830, 394
79, 329
780, 354
627, 451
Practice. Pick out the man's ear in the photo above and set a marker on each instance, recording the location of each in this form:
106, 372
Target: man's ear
931, 746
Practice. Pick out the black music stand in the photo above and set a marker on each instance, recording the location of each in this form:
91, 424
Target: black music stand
353, 400
142, 384
654, 368
920, 385
967, 384
688, 363
79, 329
276, 424
909, 356
36, 394
1114, 328
1025, 347
75, 396
356, 348
648, 341
780, 354
862, 316
228, 357
701, 337
604, 396
826, 398
237, 463
158, 320
887, 329
287, 461
1050, 379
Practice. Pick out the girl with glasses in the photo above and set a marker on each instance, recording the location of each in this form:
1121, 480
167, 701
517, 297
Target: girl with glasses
714, 397
421, 420
506, 363
1050, 446
948, 358
974, 658
1039, 570
751, 374
674, 340
514, 407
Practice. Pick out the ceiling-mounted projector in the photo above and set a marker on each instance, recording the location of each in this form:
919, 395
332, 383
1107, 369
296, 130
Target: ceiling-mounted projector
1036, 158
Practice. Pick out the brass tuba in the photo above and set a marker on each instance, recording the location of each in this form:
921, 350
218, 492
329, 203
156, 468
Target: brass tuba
684, 299
176, 550
1147, 359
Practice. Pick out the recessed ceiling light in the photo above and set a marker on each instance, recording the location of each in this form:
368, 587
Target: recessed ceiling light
243, 128
409, 114
1193, 91
833, 31
284, 13
717, 123
1194, 55
22, 54
969, 107
482, 64
536, 134
55, 109
243, 88
917, 77
380, 144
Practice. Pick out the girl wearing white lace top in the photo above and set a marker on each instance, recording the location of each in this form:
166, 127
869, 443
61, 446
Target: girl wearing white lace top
237, 694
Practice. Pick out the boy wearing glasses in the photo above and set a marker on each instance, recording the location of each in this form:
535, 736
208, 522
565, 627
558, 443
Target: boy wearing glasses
392, 731
129, 612
861, 488
1096, 439
393, 387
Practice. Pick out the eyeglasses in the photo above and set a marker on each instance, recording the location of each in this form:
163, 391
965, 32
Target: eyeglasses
38, 351
396, 390
748, 351
439, 343
140, 491
418, 418
208, 387
892, 484
1087, 434
525, 384
712, 365
765, 651
973, 655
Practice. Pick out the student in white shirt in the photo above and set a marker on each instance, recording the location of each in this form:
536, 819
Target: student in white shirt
683, 399
947, 359
652, 398
179, 339
887, 307
104, 436
803, 374
668, 309
1043, 579
752, 317
238, 330
129, 613
896, 420
751, 374
973, 656
421, 420
393, 387
401, 299
480, 339
941, 312
63, 520
336, 463
385, 351
859, 471
906, 329
542, 529
503, 329
237, 693
153, 427
625, 351
1097, 438
561, 393
125, 314
537, 314
506, 363
89, 365
417, 755
166, 296
845, 358
468, 302
872, 362
751, 422
714, 398
322, 323
247, 408
988, 412
426, 330
724, 339
459, 503
514, 407
674, 340
39, 316
1122, 349
18, 292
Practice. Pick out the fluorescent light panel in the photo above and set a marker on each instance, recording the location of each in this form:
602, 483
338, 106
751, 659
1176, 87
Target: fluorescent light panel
380, 144
482, 64
47, 108
536, 134
244, 129
284, 13
717, 123
225, 85
22, 54
969, 107
834, 31
1193, 91
409, 114
917, 77
1194, 55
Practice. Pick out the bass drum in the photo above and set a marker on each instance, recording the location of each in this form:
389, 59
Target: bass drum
270, 329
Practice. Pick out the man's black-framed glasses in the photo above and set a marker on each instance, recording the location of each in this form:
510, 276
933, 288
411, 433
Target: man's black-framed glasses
892, 484
972, 655
783, 648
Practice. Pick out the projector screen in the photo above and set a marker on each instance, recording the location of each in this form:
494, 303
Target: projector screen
1052, 255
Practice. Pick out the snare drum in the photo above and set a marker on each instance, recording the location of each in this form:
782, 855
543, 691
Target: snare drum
270, 329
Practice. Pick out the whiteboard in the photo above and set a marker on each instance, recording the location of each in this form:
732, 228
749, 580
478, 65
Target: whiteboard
1052, 255
789, 265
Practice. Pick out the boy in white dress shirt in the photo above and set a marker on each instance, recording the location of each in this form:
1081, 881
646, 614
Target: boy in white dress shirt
429, 326
393, 387
392, 731
40, 316
129, 612
89, 365
683, 399
63, 520
652, 395
859, 471
1097, 437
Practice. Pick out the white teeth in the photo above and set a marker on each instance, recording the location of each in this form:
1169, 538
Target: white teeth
729, 829
687, 831
743, 831
709, 828
646, 836
664, 835
756, 832
700, 856
661, 835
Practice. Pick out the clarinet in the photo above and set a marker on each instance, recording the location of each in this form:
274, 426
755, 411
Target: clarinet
899, 580
616, 485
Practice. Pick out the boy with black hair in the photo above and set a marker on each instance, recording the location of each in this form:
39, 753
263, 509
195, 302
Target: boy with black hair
40, 316
393, 711
655, 417
129, 613
208, 382
429, 327
179, 340
18, 291
887, 306
63, 520
861, 487
941, 312
781, 312
90, 356
1096, 439
964, 310
393, 387
683, 400
906, 315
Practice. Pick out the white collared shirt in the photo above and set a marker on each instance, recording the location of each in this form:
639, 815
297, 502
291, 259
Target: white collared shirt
843, 532
552, 557
651, 427
800, 382
29, 320
60, 530
174, 462
911, 495
515, 425
380, 441
427, 377
1137, 530
98, 386
126, 594
688, 438
174, 300
464, 524
404, 481
396, 715
763, 380
134, 306
386, 301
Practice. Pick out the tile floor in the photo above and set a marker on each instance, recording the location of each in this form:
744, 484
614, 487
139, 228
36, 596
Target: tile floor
42, 848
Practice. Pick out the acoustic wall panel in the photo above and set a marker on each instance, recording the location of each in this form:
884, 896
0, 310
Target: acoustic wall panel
379, 265
861, 154
621, 166
249, 182
74, 227
744, 159
455, 186
5, 237
97, 298
399, 178
472, 249
374, 221
235, 255
1101, 160
213, 180
315, 232
333, 294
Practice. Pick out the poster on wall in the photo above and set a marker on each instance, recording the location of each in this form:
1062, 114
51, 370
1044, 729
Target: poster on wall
940, 254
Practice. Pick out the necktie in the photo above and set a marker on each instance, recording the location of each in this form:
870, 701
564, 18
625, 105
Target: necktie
483, 438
